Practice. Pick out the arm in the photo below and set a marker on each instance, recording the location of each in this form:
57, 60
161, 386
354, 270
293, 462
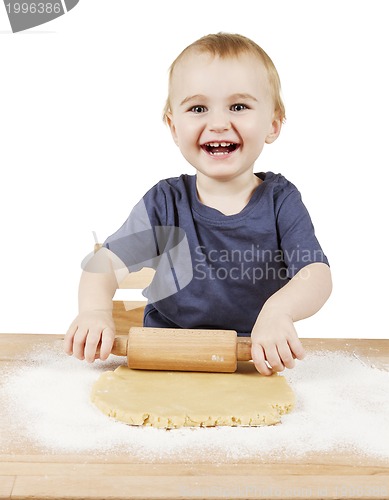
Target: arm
94, 326
274, 338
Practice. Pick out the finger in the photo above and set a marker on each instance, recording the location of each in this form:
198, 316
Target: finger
286, 355
273, 358
68, 339
258, 357
107, 340
92, 341
297, 348
79, 343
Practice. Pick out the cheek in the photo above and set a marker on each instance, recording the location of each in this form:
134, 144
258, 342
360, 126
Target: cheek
256, 131
252, 135
188, 133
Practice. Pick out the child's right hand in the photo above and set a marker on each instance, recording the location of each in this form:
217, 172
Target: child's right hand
90, 336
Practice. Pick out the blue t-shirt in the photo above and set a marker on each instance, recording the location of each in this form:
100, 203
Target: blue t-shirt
213, 270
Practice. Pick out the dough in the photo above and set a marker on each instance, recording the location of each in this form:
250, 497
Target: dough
192, 399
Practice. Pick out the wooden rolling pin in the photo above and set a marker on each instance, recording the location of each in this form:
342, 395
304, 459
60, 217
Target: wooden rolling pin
183, 349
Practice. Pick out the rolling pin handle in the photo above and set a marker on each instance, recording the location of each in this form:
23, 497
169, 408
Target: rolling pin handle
243, 349
120, 345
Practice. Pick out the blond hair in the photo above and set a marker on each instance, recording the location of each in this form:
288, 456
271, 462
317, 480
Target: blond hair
226, 45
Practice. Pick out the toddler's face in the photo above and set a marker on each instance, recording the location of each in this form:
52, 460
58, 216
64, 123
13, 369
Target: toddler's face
222, 113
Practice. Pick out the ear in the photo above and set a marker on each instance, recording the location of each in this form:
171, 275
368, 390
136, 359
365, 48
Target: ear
170, 122
275, 130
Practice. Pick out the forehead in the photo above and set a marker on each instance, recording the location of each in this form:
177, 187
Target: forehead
203, 73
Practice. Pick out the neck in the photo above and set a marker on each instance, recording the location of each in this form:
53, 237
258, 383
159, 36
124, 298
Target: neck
229, 197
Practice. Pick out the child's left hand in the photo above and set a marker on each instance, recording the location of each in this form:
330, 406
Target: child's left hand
275, 341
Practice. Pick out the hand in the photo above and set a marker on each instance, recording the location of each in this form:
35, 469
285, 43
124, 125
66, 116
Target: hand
275, 342
90, 336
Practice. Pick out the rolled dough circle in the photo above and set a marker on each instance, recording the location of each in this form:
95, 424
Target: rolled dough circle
169, 399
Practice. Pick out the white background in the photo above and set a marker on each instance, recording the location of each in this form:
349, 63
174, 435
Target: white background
82, 140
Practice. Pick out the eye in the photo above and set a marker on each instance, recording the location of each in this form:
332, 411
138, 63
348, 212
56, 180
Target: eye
198, 109
238, 107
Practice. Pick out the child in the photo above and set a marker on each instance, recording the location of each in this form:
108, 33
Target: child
233, 249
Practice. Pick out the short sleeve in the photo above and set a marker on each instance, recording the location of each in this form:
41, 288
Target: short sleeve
134, 242
296, 234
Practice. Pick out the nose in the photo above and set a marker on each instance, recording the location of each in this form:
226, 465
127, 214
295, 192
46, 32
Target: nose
219, 121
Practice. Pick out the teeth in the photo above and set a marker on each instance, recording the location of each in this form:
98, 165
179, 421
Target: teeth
218, 144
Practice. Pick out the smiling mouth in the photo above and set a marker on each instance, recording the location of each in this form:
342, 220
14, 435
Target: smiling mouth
220, 148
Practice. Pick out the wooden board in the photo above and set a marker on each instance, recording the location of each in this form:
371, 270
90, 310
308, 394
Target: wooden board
27, 473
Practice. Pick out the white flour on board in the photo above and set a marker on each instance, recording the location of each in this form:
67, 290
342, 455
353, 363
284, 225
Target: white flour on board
341, 404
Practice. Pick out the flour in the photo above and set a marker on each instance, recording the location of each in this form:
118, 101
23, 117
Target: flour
342, 404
